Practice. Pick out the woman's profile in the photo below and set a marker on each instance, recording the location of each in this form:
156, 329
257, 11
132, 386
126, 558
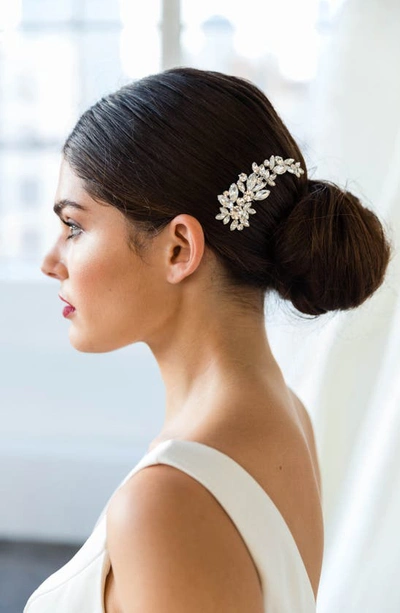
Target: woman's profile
184, 202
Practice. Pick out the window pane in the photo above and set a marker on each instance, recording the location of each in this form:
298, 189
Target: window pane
38, 99
140, 38
56, 59
274, 44
40, 12
26, 194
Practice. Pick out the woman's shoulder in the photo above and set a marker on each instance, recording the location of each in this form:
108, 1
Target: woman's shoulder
279, 453
171, 544
308, 430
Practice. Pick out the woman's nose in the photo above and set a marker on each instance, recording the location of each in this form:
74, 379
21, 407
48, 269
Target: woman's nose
54, 267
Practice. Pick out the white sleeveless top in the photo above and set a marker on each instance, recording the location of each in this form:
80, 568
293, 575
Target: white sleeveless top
78, 586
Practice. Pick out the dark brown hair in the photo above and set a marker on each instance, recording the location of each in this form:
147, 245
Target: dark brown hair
171, 142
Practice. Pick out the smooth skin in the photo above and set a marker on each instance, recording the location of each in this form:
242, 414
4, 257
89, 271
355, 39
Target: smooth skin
172, 547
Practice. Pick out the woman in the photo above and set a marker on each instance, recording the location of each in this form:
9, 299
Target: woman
183, 201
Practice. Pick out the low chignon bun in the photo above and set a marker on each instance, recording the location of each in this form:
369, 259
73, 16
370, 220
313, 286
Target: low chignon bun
331, 252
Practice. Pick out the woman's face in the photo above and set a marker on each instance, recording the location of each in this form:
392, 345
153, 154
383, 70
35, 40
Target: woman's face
116, 295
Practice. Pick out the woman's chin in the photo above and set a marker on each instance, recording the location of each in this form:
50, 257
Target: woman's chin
86, 344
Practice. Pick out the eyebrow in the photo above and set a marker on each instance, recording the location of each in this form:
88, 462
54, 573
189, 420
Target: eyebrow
61, 204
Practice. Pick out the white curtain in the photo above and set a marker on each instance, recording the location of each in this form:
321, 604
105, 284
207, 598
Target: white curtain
354, 112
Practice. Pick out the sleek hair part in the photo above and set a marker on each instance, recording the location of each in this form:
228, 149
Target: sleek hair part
170, 142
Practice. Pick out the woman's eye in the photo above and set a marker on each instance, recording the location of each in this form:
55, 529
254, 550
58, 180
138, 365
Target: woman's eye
75, 230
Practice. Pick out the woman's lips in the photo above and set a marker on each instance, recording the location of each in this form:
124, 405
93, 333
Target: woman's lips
68, 309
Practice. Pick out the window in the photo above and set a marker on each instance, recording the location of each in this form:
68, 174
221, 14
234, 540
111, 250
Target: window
56, 59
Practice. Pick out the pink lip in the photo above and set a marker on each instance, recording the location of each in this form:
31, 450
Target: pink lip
68, 309
63, 299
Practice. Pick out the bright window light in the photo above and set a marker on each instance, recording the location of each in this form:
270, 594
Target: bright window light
10, 14
140, 44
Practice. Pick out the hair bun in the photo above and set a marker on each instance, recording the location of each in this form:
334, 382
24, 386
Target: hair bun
331, 252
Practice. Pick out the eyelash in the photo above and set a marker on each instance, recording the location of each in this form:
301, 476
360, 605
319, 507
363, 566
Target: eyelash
72, 225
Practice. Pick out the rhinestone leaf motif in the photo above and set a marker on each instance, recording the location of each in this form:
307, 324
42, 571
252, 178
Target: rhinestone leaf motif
236, 207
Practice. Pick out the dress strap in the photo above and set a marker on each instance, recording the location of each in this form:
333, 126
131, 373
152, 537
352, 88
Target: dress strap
260, 523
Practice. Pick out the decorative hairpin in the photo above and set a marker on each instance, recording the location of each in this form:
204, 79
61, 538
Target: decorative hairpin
239, 209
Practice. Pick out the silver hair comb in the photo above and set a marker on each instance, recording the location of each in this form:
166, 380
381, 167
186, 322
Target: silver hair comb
238, 208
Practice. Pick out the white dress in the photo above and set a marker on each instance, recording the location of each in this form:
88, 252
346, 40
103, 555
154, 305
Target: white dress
78, 586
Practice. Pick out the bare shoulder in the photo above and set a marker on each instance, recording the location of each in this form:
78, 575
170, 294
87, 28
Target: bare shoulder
307, 426
173, 548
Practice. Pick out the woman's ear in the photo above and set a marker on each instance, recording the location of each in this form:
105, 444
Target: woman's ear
185, 247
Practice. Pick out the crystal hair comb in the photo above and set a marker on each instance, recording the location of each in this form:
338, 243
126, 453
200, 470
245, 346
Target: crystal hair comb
237, 208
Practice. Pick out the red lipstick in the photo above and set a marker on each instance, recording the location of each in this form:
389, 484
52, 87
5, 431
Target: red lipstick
68, 309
